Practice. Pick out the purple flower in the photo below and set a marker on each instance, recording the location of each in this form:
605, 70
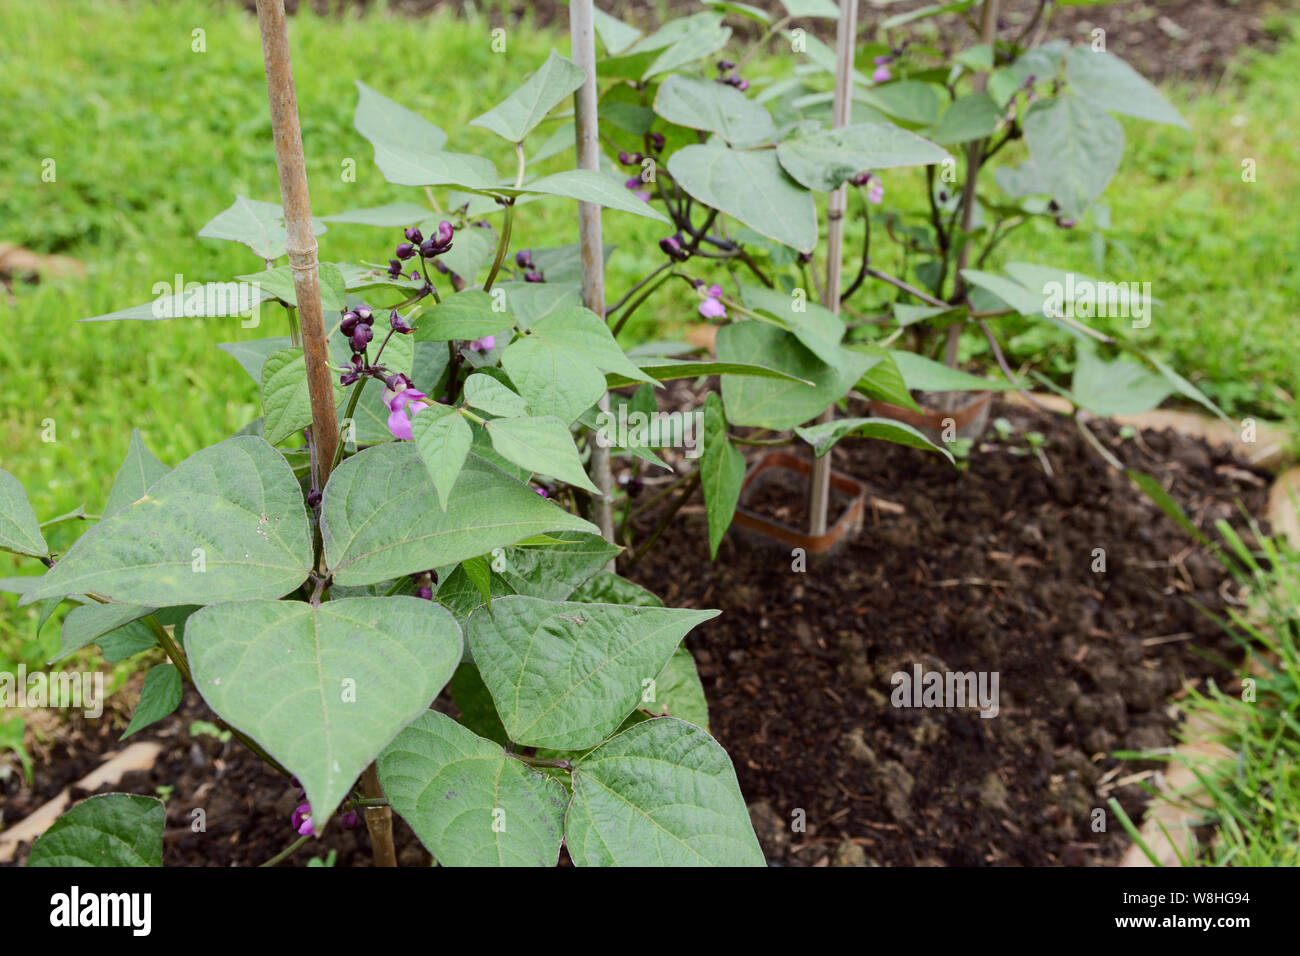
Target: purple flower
534, 276
399, 324
860, 179
673, 248
349, 820
725, 65
405, 250
524, 258
741, 84
881, 74
414, 235
365, 315
635, 184
711, 307
395, 268
424, 592
876, 192
361, 337
656, 141
1065, 222
398, 403
542, 492
302, 820
349, 323
436, 245
485, 344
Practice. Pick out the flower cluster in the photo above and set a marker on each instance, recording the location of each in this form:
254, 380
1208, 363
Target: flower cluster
524, 260
875, 188
711, 306
727, 74
674, 248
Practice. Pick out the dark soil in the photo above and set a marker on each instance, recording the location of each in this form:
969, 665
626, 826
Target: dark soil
1190, 39
780, 494
986, 569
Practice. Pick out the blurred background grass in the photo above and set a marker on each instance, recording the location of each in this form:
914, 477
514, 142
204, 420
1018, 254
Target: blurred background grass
151, 139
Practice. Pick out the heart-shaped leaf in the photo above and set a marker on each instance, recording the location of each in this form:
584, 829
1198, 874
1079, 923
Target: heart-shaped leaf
443, 439
516, 115
543, 445
715, 108
586, 185
112, 829
662, 793
323, 689
564, 675
377, 522
467, 801
227, 523
824, 160
20, 532
258, 225
140, 469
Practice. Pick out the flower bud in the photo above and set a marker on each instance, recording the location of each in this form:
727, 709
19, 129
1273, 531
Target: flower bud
445, 231
349, 323
524, 258
349, 820
534, 276
313, 498
394, 268
424, 592
656, 141
414, 235
399, 324
741, 84
725, 65
405, 250
365, 315
361, 337
673, 248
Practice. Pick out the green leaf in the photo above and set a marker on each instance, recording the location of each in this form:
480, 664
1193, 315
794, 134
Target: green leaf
201, 300
1016, 296
695, 45
678, 691
442, 438
89, 622
286, 400
884, 381
543, 445
391, 215
470, 252
386, 123
564, 675
557, 365
518, 113
140, 469
588, 186
825, 9
608, 588
323, 689
613, 32
160, 696
1121, 387
667, 370
377, 525
825, 159
715, 108
1102, 78
252, 354
112, 829
468, 801
279, 283
20, 532
258, 225
662, 793
974, 116
817, 327
765, 403
752, 187
480, 575
485, 393
530, 302
465, 315
127, 641
722, 470
825, 436
1076, 147
910, 101
927, 375
474, 701
234, 509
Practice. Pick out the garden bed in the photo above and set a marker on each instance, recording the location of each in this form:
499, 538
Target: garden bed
987, 569
984, 569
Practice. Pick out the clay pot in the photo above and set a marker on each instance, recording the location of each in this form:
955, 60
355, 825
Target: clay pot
848, 523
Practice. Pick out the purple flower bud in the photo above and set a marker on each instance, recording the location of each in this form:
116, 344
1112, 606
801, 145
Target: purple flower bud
543, 492
656, 141
741, 84
524, 258
625, 157
361, 337
349, 323
349, 820
485, 344
425, 592
397, 382
860, 179
534, 276
725, 65
673, 248
405, 250
1065, 222
885, 60
365, 315
445, 231
349, 378
399, 324
394, 268
302, 820
414, 235
313, 498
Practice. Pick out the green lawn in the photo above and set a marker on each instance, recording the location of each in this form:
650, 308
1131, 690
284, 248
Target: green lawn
151, 139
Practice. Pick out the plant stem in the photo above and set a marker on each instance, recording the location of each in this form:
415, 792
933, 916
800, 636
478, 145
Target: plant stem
502, 245
288, 851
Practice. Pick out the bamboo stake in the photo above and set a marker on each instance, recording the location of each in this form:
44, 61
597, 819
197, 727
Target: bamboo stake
582, 37
974, 152
845, 35
302, 249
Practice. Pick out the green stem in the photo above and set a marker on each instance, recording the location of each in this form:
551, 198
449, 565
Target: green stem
347, 416
502, 246
288, 851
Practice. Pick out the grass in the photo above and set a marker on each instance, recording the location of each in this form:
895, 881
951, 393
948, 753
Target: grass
150, 138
